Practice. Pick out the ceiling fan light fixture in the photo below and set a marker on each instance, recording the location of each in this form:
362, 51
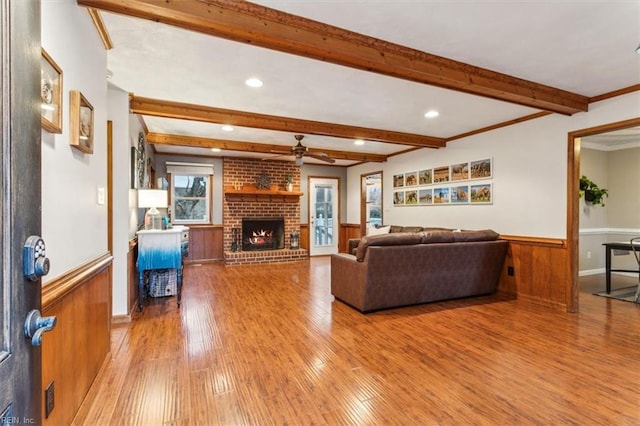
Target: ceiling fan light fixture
299, 161
253, 82
431, 114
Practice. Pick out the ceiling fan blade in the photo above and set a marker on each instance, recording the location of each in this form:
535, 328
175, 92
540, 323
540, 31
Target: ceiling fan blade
283, 154
320, 156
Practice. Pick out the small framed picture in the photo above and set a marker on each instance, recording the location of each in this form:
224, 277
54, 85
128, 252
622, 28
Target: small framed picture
425, 177
81, 122
398, 181
50, 94
398, 198
441, 195
425, 196
482, 194
441, 174
411, 198
481, 169
411, 179
460, 194
459, 171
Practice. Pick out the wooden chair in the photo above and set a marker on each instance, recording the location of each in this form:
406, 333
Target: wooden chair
635, 246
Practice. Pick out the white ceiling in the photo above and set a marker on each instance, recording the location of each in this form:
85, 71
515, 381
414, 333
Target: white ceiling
585, 47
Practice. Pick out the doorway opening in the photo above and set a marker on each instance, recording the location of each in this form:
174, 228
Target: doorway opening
575, 140
371, 214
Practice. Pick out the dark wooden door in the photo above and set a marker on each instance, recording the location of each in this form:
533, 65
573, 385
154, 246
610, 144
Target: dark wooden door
20, 190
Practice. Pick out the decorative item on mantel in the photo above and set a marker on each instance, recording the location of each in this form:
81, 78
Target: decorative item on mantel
263, 181
288, 182
294, 240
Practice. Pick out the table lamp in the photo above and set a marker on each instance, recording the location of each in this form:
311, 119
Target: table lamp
152, 199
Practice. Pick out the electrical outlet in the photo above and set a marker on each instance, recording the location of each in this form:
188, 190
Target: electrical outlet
588, 254
510, 271
49, 398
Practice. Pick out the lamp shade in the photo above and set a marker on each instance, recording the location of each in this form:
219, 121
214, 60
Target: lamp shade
150, 198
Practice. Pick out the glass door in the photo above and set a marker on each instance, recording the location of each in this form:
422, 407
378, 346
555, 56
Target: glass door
371, 206
323, 212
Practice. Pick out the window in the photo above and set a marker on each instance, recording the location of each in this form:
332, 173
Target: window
190, 192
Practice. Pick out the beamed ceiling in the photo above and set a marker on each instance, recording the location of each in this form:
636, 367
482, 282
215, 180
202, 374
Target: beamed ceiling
369, 70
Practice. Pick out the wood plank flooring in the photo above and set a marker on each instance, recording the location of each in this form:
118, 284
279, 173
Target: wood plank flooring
268, 345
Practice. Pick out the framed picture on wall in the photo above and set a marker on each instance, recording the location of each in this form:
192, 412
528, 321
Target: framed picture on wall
425, 196
481, 169
425, 177
133, 172
411, 198
441, 174
50, 94
460, 194
481, 194
398, 198
459, 171
441, 195
81, 122
411, 179
398, 181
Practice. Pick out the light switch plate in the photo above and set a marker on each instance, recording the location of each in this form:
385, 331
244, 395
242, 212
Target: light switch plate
101, 196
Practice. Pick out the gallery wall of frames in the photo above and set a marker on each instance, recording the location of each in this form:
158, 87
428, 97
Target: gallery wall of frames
454, 184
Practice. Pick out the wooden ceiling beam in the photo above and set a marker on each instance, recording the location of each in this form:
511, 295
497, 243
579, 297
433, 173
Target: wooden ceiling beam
183, 111
200, 142
257, 25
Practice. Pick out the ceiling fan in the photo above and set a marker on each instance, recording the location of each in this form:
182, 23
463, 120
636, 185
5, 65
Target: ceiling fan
300, 151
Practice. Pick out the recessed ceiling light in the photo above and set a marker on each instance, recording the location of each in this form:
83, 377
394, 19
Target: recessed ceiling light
431, 114
227, 128
358, 142
253, 82
216, 149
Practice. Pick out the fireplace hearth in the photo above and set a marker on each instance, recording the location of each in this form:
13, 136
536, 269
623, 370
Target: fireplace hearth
265, 233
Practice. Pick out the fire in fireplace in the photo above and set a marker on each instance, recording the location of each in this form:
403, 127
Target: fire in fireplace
262, 233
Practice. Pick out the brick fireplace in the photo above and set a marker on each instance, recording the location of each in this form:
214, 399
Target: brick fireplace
243, 200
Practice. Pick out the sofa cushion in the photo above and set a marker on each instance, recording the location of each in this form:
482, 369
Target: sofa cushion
397, 239
411, 229
437, 236
480, 235
379, 230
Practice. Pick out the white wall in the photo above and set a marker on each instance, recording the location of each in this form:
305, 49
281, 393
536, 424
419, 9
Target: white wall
74, 225
118, 114
529, 174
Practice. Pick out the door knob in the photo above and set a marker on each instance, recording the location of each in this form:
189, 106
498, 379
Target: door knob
35, 325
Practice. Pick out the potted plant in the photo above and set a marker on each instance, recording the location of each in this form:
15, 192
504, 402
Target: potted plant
592, 193
288, 182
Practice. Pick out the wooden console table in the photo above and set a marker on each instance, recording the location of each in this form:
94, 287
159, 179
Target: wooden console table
161, 249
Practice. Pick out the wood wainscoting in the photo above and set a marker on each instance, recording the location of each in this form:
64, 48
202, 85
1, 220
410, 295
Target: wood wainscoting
132, 283
540, 271
205, 243
76, 349
345, 232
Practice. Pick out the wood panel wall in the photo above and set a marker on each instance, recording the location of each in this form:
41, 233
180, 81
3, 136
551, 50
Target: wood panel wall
347, 232
75, 350
205, 243
304, 236
132, 274
541, 271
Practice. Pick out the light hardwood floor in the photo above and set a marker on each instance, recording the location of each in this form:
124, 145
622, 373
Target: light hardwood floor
262, 345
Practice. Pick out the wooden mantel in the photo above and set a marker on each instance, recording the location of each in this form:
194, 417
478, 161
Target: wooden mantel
253, 193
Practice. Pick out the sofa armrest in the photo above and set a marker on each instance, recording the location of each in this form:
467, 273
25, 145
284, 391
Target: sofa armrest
348, 279
352, 245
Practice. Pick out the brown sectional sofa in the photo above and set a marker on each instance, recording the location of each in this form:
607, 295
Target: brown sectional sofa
407, 268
